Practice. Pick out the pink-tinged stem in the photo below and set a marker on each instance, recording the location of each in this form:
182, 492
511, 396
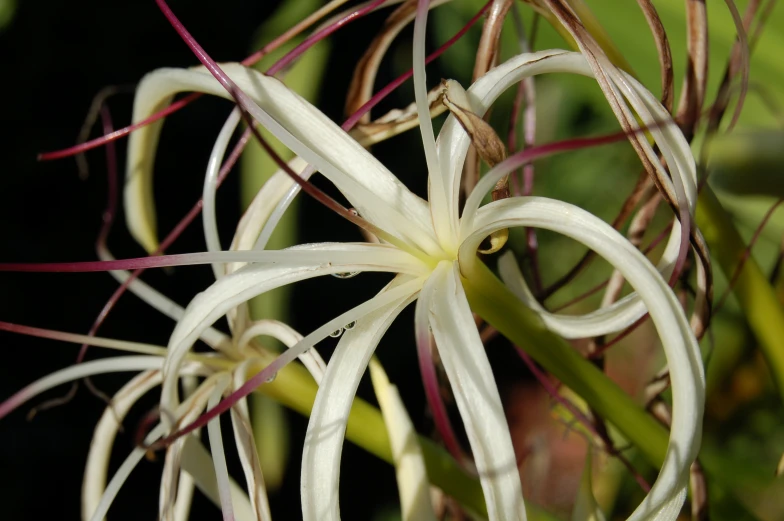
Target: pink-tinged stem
372, 102
163, 261
264, 376
117, 134
169, 239
551, 389
626, 332
433, 394
320, 35
174, 107
108, 218
746, 255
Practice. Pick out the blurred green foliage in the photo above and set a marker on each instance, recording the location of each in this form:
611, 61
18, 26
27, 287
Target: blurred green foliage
7, 10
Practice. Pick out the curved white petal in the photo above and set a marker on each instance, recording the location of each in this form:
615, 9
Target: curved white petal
117, 364
104, 435
218, 454
443, 210
209, 221
369, 186
157, 300
303, 262
262, 209
246, 447
412, 482
327, 425
196, 461
453, 141
283, 332
680, 346
473, 384
188, 410
600, 322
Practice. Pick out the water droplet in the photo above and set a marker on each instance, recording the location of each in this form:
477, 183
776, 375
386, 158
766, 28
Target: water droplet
346, 275
271, 378
350, 325
336, 333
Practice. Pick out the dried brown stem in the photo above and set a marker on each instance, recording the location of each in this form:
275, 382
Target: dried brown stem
487, 55
663, 48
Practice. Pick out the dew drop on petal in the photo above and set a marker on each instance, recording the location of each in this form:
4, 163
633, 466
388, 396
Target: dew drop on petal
271, 378
346, 275
336, 333
350, 326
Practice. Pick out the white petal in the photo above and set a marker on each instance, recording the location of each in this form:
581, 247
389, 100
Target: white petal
209, 221
412, 482
262, 209
246, 447
327, 425
680, 346
604, 321
369, 186
284, 333
104, 435
443, 209
453, 141
476, 393
188, 409
218, 454
197, 462
303, 262
157, 300
108, 365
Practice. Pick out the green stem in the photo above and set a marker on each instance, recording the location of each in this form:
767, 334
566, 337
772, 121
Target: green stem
756, 296
501, 309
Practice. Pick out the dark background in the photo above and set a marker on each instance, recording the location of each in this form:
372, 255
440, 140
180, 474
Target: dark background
56, 58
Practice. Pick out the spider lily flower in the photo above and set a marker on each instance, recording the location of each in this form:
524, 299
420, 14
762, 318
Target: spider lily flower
187, 464
431, 248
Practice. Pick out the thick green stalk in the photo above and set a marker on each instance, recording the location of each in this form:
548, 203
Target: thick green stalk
500, 308
756, 296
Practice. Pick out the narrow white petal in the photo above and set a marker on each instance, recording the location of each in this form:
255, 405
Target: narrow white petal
209, 221
108, 365
283, 332
104, 435
370, 187
327, 425
218, 454
232, 290
263, 214
197, 462
303, 262
192, 406
476, 393
441, 207
680, 346
453, 141
412, 482
157, 300
246, 447
604, 321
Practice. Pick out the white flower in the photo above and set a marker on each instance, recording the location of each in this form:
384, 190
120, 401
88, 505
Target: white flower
429, 246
